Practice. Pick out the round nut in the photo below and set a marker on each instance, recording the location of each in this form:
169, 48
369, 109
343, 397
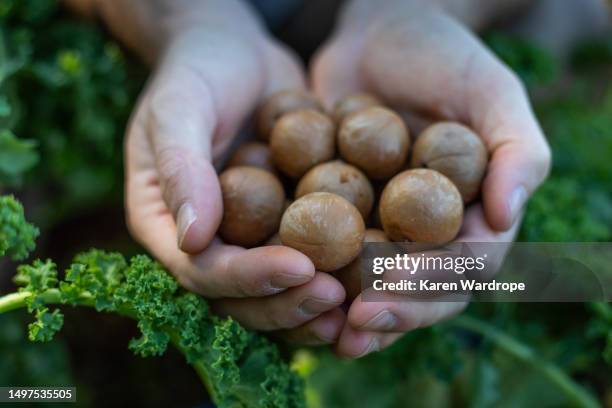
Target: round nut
421, 205
301, 140
339, 178
455, 151
280, 103
326, 228
253, 202
375, 140
255, 154
273, 240
350, 275
353, 103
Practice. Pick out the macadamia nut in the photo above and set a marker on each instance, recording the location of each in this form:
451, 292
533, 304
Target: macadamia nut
253, 203
455, 151
280, 103
301, 140
421, 205
325, 227
375, 140
255, 154
339, 178
353, 103
350, 275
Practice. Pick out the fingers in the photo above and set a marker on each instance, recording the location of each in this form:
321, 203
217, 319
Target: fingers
397, 313
355, 343
221, 270
286, 310
372, 326
433, 64
324, 329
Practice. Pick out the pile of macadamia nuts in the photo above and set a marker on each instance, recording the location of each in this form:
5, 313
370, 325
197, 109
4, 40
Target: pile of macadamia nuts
348, 173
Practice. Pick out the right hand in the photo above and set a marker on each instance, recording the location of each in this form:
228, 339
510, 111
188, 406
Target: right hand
209, 79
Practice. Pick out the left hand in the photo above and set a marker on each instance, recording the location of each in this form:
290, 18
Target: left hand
416, 56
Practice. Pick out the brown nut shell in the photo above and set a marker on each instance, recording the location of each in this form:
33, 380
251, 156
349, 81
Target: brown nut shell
421, 205
279, 103
375, 140
255, 154
326, 228
253, 203
301, 140
339, 178
273, 240
353, 103
455, 151
350, 275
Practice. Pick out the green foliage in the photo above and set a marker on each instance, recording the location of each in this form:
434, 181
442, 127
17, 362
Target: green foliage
16, 157
240, 368
16, 234
601, 327
27, 363
533, 64
70, 94
422, 361
558, 213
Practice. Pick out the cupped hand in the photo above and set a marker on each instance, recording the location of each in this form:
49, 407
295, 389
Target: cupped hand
417, 57
208, 81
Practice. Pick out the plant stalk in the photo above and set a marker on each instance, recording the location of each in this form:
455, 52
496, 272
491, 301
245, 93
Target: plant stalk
573, 391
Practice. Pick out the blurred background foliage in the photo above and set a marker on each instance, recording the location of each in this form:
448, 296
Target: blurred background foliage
66, 91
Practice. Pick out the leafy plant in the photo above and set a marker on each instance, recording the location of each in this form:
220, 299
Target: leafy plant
238, 368
66, 91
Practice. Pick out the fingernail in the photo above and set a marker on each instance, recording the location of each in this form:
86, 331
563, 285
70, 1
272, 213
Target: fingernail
373, 346
315, 306
517, 201
384, 320
286, 280
185, 218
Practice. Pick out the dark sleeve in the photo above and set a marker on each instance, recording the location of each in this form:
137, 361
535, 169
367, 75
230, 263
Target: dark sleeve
276, 12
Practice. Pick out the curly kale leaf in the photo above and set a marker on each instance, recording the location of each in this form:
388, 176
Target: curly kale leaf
239, 368
16, 234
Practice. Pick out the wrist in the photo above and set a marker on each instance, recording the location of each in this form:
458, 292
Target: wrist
149, 26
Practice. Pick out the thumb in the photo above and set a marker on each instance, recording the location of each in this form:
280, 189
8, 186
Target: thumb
198, 99
180, 126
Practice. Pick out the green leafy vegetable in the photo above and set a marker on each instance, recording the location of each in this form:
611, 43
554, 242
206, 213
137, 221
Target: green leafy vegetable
240, 368
16, 234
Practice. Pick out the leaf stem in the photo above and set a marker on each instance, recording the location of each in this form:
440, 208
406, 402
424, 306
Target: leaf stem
573, 391
17, 300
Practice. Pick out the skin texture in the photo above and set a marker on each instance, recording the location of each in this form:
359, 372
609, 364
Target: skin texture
253, 203
325, 227
209, 74
455, 151
254, 154
301, 140
353, 103
376, 140
342, 179
421, 206
350, 275
280, 103
422, 56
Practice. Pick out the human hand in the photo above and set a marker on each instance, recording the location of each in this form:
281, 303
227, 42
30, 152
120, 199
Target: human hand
212, 73
417, 56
